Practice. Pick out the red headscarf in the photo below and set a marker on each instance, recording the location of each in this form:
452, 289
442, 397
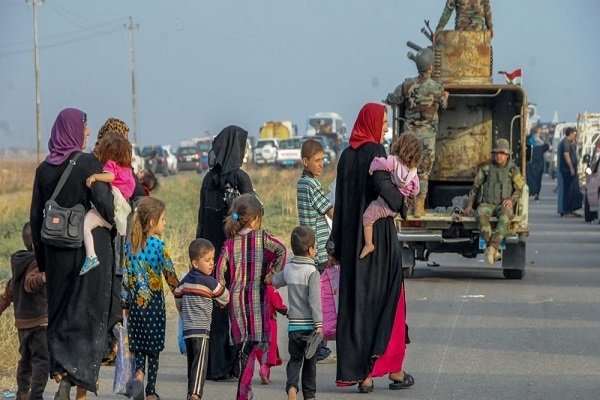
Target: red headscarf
368, 126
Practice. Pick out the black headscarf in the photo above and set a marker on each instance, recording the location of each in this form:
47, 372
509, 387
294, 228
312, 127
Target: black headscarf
228, 150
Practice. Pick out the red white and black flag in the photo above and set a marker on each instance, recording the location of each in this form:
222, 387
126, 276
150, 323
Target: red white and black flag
514, 77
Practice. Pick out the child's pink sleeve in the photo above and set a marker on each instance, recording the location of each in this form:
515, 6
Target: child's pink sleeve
111, 167
412, 187
382, 164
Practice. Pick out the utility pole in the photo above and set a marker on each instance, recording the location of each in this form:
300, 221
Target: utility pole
131, 27
38, 116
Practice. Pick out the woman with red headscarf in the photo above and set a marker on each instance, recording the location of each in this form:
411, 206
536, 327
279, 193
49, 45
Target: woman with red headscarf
371, 330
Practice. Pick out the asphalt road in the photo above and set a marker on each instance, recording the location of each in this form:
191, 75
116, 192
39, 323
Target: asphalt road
474, 334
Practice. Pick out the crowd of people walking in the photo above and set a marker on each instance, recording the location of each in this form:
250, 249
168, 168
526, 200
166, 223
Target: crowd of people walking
70, 299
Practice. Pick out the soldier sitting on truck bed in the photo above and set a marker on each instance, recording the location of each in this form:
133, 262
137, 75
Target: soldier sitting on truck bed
471, 15
496, 190
420, 98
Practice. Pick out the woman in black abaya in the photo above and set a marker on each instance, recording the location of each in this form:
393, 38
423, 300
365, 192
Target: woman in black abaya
228, 151
78, 306
371, 328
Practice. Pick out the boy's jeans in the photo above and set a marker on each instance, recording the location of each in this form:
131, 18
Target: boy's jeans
297, 344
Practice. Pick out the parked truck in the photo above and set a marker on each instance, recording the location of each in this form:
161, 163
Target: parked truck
330, 125
479, 112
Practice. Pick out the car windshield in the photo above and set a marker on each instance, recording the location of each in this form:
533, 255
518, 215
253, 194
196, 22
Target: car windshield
290, 144
322, 125
186, 151
148, 150
204, 146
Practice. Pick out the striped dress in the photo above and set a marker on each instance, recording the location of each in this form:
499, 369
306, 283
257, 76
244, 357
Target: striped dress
247, 258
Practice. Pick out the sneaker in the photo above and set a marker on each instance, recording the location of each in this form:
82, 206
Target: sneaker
330, 359
89, 264
312, 344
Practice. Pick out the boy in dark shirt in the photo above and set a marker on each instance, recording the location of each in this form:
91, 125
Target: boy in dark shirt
26, 290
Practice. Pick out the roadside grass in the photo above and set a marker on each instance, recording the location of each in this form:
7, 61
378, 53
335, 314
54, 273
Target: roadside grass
181, 194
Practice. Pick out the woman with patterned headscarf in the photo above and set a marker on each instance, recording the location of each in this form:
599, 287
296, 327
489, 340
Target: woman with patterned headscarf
77, 305
226, 158
371, 330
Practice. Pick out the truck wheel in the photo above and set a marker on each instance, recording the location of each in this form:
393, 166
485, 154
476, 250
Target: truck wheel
408, 262
514, 259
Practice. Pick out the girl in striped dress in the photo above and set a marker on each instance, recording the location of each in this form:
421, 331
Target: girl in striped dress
248, 255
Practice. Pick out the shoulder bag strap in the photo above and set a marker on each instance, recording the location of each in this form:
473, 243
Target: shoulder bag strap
65, 176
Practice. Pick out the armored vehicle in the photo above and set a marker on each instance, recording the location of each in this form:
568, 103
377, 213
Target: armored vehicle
478, 112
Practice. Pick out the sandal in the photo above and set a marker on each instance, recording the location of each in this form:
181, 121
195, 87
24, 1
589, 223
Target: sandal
365, 389
405, 382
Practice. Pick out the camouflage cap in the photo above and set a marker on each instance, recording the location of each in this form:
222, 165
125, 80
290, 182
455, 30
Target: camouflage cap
502, 146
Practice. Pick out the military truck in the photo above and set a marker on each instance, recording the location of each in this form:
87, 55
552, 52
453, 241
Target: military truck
479, 112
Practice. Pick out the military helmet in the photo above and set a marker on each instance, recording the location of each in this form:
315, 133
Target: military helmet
424, 57
502, 146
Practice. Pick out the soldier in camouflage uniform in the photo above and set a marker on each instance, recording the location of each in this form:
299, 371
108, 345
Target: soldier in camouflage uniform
471, 15
496, 189
421, 97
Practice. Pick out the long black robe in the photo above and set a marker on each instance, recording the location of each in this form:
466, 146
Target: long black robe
228, 148
369, 287
535, 169
78, 306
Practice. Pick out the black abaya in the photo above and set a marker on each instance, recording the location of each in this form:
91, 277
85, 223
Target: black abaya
370, 287
78, 306
228, 149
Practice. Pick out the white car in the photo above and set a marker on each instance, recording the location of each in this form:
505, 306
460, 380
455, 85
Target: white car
137, 161
171, 159
265, 151
290, 152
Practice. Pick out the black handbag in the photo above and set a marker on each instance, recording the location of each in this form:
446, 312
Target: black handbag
63, 226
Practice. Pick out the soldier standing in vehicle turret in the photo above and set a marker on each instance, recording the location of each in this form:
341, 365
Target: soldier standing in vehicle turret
421, 97
496, 190
471, 15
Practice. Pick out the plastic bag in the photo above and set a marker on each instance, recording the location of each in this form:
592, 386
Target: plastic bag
124, 364
180, 339
330, 283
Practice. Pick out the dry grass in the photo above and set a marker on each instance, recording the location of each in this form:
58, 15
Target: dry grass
9, 348
277, 190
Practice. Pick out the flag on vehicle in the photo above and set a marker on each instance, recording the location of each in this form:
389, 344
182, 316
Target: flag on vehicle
514, 77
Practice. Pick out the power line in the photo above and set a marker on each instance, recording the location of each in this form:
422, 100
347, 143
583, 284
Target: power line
114, 23
49, 46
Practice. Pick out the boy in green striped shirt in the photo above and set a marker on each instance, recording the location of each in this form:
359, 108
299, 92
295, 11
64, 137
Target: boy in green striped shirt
313, 206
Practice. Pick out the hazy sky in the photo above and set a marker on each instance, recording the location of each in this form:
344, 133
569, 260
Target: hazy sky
206, 64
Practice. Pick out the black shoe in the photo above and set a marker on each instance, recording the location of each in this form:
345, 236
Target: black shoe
405, 382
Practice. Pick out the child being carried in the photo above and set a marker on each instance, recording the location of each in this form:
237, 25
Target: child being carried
114, 152
402, 163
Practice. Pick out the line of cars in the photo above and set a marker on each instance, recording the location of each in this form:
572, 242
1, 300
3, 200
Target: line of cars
287, 152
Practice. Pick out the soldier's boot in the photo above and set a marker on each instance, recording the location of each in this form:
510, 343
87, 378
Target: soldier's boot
419, 206
490, 254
